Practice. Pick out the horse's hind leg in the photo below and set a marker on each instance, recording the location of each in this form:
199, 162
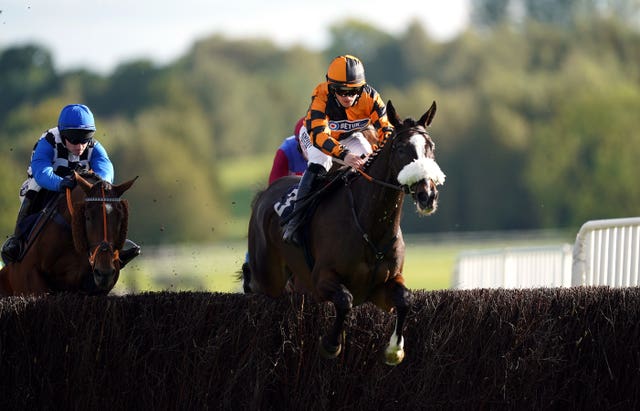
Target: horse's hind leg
331, 344
266, 272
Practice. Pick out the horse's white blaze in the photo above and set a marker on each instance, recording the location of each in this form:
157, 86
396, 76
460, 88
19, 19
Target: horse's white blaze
108, 208
422, 168
418, 141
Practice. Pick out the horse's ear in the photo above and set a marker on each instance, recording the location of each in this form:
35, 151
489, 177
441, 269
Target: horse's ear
392, 115
84, 184
121, 188
427, 117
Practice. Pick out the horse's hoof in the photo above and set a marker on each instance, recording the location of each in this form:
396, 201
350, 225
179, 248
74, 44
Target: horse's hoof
393, 355
329, 351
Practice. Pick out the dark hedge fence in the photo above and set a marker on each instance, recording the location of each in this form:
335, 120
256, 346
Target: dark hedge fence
572, 348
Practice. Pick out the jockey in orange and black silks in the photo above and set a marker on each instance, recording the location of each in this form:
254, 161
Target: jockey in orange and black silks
342, 105
341, 108
328, 121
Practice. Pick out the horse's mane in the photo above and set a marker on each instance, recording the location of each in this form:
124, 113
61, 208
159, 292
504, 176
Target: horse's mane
375, 154
90, 176
377, 151
94, 179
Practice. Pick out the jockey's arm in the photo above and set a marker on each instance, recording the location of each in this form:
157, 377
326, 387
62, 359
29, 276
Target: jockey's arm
100, 163
42, 166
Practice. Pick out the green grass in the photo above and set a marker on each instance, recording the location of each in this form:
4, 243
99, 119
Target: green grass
429, 267
194, 267
429, 262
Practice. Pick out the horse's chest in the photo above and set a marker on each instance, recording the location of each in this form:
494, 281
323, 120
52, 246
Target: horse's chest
364, 276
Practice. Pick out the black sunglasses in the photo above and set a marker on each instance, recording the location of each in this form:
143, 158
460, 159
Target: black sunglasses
75, 141
348, 91
77, 136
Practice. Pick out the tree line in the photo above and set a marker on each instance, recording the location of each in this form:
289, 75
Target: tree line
536, 126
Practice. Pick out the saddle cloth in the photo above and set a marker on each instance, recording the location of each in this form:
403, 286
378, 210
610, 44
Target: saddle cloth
284, 206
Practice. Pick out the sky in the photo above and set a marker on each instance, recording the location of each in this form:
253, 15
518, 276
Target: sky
100, 34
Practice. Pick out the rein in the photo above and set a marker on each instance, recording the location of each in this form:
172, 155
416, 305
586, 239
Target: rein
379, 254
105, 245
399, 187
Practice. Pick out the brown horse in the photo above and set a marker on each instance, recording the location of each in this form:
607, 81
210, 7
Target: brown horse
354, 250
77, 247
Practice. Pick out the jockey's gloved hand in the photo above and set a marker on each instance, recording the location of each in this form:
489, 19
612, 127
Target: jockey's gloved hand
68, 182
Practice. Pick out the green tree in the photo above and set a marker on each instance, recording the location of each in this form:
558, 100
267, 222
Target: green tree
252, 93
584, 163
175, 198
26, 74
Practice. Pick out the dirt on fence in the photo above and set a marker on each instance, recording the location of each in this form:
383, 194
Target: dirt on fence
574, 348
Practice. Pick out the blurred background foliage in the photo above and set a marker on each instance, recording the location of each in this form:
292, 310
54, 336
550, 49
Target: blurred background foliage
537, 123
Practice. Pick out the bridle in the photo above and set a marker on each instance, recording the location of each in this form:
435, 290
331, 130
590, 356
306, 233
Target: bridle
105, 245
379, 253
399, 187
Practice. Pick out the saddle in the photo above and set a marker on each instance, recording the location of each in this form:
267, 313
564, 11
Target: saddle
322, 186
44, 209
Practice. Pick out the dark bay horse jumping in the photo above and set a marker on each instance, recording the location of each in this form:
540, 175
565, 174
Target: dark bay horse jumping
353, 237
77, 247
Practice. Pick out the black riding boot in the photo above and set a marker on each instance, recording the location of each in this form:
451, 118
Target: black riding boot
12, 248
291, 233
128, 254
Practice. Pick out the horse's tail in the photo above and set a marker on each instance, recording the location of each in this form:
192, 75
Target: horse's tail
245, 275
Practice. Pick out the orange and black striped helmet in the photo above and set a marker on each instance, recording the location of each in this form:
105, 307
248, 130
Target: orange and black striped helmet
346, 71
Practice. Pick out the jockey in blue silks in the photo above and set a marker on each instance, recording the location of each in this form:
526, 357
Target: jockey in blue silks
56, 155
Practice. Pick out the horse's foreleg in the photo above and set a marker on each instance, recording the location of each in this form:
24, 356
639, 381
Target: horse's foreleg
331, 344
5, 284
401, 296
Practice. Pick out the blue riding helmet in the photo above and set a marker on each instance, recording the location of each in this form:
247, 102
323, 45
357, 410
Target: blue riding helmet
76, 117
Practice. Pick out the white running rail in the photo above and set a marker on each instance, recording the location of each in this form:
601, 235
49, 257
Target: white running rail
514, 267
606, 252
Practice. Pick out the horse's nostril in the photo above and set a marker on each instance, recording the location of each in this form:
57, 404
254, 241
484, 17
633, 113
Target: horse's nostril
423, 197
